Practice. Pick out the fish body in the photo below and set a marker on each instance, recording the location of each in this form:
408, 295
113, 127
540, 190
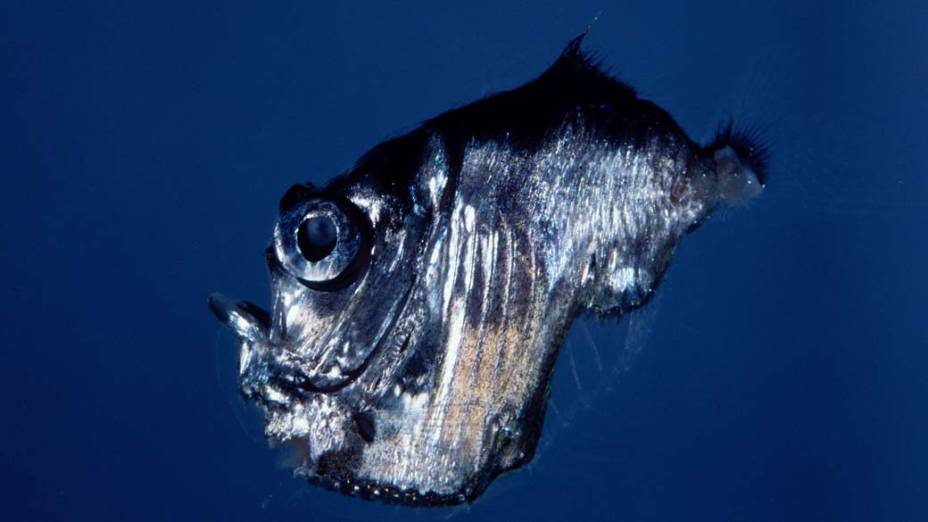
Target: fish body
418, 302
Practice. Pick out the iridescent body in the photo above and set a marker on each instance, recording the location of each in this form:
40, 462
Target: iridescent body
420, 300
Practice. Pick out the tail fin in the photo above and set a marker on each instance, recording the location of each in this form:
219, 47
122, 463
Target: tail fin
747, 144
742, 161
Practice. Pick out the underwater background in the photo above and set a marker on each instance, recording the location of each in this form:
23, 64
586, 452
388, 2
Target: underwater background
781, 373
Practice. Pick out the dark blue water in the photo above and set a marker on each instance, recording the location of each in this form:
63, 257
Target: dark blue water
783, 374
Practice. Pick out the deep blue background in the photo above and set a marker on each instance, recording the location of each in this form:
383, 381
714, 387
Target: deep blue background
145, 146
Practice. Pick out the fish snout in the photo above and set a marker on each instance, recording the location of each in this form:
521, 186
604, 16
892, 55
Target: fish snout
248, 320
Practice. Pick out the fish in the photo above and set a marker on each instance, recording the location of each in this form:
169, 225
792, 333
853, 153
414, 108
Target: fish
420, 299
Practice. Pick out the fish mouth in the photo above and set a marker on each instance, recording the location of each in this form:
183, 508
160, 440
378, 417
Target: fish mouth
264, 377
248, 320
251, 324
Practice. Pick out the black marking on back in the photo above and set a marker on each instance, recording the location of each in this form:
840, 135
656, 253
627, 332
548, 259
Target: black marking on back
574, 88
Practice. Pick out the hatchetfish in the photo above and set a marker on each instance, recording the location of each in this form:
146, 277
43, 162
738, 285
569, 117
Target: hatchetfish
419, 301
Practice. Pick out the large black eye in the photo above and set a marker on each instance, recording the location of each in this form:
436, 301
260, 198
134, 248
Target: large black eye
322, 241
317, 238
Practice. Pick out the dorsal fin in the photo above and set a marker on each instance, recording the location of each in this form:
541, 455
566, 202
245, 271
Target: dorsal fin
573, 64
572, 56
572, 50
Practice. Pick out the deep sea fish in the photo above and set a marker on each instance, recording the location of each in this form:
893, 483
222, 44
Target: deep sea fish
419, 301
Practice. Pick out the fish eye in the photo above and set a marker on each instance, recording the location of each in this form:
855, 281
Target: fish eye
322, 241
317, 238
